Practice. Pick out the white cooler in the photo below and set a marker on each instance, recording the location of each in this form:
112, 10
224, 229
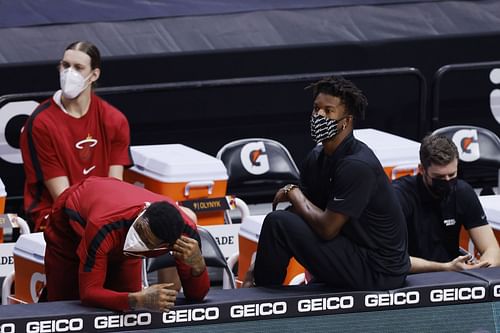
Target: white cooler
491, 207
181, 173
399, 156
29, 265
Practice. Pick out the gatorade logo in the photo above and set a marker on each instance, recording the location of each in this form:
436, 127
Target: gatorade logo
495, 94
254, 158
7, 113
37, 283
467, 144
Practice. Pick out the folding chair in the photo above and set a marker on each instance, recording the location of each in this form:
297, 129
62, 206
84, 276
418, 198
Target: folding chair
257, 168
479, 155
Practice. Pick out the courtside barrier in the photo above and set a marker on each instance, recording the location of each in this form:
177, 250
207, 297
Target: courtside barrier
440, 292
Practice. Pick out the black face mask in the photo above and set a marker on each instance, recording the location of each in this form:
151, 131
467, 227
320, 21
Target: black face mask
442, 187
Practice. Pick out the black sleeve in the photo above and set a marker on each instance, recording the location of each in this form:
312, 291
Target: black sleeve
473, 214
403, 195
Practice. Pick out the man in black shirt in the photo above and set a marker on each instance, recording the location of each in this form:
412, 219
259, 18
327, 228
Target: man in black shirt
436, 204
345, 225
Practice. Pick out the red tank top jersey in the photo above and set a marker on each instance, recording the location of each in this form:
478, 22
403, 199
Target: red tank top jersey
54, 144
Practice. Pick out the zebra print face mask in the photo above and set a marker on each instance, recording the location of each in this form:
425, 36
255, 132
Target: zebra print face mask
323, 128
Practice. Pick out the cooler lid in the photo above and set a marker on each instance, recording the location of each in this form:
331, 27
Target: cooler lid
176, 163
491, 206
31, 246
390, 149
251, 226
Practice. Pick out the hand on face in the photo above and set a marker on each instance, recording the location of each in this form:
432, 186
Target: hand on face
188, 251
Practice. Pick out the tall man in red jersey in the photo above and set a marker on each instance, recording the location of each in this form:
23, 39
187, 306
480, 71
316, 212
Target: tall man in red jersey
71, 136
97, 230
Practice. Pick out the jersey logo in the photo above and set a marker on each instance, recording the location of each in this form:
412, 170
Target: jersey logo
254, 158
467, 144
338, 199
449, 222
86, 171
85, 147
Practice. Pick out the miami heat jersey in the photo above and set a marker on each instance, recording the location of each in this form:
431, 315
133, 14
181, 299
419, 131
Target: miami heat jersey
54, 144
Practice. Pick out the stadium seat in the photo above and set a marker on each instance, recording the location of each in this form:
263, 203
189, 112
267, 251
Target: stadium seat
214, 259
257, 168
479, 155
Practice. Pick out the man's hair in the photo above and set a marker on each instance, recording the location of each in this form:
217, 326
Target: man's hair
165, 221
438, 150
351, 96
90, 49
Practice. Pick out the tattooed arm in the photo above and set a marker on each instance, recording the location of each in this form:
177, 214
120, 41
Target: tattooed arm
160, 297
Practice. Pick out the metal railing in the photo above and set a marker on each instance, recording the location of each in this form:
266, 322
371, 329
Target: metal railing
438, 77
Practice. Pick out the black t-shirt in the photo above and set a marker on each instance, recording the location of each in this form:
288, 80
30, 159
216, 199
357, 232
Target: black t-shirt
352, 182
434, 225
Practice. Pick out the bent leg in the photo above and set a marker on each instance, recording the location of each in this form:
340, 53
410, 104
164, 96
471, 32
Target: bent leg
337, 262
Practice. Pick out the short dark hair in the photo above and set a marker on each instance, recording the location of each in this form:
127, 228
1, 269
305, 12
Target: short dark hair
165, 221
437, 149
352, 97
90, 49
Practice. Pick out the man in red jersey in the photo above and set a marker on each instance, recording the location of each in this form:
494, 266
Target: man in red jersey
97, 230
71, 136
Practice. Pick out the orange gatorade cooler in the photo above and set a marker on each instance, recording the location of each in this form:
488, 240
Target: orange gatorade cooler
248, 239
399, 156
29, 253
491, 207
181, 173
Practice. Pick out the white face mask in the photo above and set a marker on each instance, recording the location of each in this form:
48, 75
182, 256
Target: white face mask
72, 83
133, 242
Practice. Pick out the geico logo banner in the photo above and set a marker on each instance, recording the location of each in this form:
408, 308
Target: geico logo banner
495, 94
256, 310
457, 294
254, 158
398, 298
8, 112
7, 328
187, 315
321, 304
60, 325
496, 291
467, 144
126, 320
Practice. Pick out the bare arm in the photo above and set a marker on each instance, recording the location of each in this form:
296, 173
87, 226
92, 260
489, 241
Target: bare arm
485, 242
420, 265
116, 171
57, 185
325, 223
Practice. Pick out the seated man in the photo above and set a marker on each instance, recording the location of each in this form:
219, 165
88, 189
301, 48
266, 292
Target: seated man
436, 204
99, 228
345, 225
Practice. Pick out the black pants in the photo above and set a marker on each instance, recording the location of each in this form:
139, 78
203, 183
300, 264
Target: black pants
338, 262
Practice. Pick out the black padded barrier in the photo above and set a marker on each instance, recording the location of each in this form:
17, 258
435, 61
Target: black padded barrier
490, 275
239, 306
